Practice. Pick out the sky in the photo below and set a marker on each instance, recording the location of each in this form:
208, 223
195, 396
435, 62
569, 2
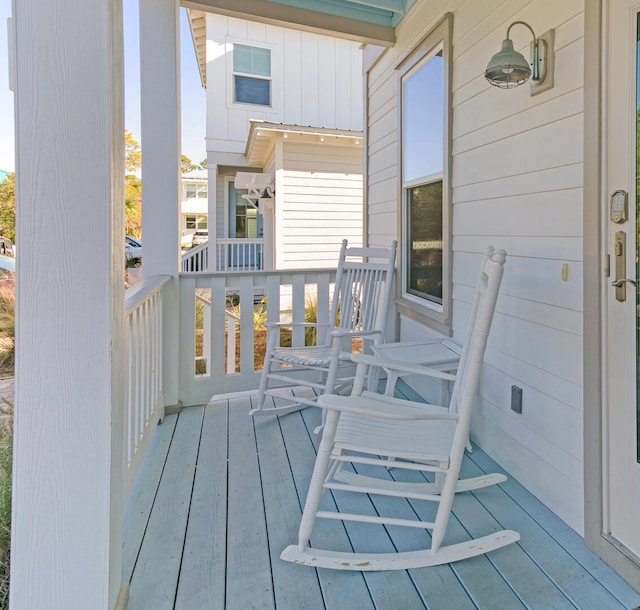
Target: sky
193, 103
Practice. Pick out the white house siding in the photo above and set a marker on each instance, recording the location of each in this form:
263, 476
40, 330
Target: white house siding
320, 202
517, 184
322, 77
222, 222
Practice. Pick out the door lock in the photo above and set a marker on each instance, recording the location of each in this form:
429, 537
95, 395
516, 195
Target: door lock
620, 260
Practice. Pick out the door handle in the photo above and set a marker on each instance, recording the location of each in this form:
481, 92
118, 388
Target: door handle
620, 260
618, 283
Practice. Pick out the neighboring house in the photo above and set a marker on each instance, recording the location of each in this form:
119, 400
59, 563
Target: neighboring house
3, 174
451, 164
288, 104
194, 210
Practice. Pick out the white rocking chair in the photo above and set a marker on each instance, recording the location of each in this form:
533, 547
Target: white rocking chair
367, 428
358, 310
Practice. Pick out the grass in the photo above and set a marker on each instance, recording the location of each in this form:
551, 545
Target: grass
7, 335
6, 462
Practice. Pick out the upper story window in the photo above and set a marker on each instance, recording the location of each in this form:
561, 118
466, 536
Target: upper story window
195, 191
425, 138
194, 221
251, 75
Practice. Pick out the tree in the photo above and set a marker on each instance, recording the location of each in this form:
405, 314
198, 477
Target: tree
132, 186
8, 207
186, 165
132, 154
202, 164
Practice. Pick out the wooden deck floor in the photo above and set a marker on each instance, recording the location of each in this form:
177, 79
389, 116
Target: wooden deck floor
219, 496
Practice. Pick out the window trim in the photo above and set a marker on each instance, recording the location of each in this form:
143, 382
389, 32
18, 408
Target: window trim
433, 315
231, 74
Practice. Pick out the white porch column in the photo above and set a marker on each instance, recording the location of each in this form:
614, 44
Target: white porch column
212, 218
269, 232
68, 458
160, 127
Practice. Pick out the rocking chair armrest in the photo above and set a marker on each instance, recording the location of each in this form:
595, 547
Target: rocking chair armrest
395, 409
347, 332
296, 324
408, 368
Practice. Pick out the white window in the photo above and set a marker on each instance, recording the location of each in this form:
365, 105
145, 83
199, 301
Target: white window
196, 222
195, 191
251, 75
425, 135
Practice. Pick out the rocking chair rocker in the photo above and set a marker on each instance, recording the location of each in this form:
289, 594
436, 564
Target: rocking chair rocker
358, 310
368, 429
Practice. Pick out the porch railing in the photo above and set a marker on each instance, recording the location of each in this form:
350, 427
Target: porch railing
239, 254
222, 315
231, 255
144, 405
196, 260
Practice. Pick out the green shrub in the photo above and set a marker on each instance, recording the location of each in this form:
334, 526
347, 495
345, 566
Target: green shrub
311, 316
259, 314
7, 326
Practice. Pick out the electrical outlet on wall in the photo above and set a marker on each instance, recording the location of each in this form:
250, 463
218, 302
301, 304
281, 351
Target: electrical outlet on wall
516, 399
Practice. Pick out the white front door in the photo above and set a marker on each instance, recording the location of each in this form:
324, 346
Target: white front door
621, 162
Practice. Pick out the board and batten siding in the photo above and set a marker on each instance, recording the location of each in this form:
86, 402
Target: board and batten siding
517, 184
322, 77
319, 203
222, 215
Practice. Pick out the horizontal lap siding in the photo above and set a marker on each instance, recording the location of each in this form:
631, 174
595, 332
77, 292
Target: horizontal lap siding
517, 184
321, 202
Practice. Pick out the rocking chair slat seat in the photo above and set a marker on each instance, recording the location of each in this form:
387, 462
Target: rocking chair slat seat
304, 356
422, 440
359, 306
381, 432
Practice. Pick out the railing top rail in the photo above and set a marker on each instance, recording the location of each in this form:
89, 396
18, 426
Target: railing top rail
195, 250
239, 240
263, 273
139, 293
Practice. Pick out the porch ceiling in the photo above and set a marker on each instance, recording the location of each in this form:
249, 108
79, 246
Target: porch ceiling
367, 21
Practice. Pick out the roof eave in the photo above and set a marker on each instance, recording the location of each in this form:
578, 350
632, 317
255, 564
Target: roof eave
282, 15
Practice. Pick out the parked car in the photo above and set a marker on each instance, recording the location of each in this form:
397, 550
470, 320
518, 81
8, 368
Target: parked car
6, 247
132, 251
200, 236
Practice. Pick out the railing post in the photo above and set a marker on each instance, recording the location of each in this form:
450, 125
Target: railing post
232, 326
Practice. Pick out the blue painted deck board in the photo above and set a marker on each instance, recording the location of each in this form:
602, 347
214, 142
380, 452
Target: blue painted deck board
143, 493
248, 558
293, 588
157, 570
195, 539
562, 534
203, 570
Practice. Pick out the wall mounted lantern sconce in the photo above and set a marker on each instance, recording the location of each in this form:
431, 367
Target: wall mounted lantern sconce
508, 68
